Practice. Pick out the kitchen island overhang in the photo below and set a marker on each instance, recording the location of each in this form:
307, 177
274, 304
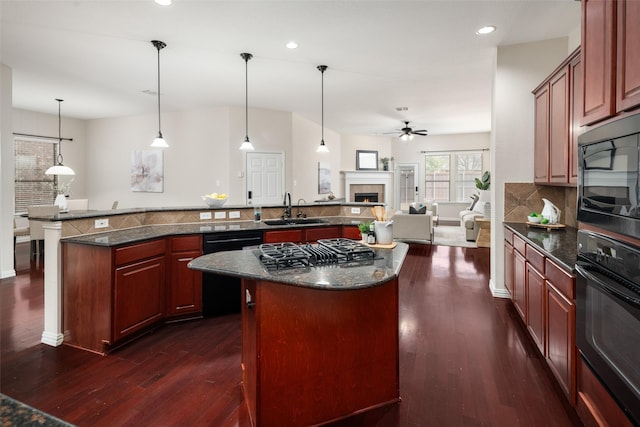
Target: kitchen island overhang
318, 344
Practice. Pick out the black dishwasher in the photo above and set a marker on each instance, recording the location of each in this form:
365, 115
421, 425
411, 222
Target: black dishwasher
222, 294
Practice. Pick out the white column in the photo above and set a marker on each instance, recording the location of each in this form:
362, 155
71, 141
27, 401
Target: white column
52, 334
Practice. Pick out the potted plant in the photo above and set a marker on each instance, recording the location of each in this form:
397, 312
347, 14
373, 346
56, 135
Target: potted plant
484, 182
385, 162
364, 228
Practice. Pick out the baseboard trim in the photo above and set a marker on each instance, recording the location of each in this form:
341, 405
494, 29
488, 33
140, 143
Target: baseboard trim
51, 338
5, 274
498, 293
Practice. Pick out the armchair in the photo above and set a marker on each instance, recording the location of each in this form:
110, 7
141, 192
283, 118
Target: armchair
413, 226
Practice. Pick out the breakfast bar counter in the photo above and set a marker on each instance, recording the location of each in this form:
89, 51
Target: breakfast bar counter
320, 343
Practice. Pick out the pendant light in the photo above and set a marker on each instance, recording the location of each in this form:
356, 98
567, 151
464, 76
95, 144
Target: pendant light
159, 142
59, 168
246, 144
322, 148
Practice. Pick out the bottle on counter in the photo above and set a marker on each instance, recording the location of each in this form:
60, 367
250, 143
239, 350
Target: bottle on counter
371, 238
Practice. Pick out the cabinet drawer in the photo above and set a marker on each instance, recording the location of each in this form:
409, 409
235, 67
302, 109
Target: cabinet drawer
315, 234
294, 236
186, 243
563, 282
140, 251
535, 258
518, 244
508, 235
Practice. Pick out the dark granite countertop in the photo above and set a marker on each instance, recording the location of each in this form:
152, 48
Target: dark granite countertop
71, 215
245, 263
148, 232
560, 245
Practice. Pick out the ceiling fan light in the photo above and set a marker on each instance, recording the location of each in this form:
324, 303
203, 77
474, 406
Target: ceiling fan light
404, 137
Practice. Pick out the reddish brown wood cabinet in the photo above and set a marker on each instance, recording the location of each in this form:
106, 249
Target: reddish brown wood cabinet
314, 234
508, 267
554, 149
535, 306
560, 327
138, 294
277, 236
544, 296
611, 69
351, 232
628, 61
310, 356
575, 107
184, 290
519, 295
121, 291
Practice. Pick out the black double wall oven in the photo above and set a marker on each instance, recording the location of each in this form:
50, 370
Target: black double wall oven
608, 266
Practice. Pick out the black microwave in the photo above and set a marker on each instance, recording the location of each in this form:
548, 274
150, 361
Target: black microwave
609, 178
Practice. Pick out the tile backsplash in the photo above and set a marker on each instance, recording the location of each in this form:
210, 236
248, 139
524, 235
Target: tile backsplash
522, 198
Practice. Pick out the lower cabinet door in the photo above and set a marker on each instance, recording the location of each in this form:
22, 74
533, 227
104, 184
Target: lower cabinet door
138, 296
508, 267
185, 289
519, 295
561, 315
535, 306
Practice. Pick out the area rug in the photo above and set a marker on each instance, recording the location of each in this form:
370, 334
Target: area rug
446, 235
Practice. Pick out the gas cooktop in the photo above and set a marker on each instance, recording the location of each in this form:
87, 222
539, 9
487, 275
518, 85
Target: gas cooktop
287, 255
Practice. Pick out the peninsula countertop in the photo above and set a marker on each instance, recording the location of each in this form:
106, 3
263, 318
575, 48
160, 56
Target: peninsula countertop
245, 263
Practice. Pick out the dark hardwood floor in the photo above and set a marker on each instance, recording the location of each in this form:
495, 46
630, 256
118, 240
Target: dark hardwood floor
465, 359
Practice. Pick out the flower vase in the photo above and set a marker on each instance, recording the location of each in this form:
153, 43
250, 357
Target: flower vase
61, 202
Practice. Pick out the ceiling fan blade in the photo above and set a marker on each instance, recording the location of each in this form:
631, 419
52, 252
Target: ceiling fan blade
419, 130
421, 134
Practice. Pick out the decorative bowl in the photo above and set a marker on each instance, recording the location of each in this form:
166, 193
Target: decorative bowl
214, 202
534, 219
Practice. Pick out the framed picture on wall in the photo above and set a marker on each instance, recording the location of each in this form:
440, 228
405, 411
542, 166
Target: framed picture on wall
366, 160
324, 178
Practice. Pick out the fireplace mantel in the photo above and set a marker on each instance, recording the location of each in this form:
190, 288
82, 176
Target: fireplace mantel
384, 178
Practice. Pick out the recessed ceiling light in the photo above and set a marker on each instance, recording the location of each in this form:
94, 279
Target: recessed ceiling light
486, 30
292, 45
163, 2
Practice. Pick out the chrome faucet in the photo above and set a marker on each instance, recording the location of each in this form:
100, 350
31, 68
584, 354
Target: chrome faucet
287, 205
299, 213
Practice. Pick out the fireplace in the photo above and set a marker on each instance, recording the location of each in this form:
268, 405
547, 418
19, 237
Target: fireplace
377, 182
366, 197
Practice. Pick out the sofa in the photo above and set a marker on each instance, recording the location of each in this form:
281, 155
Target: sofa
468, 219
417, 226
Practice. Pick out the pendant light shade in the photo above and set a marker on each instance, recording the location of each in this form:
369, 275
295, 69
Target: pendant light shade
322, 148
59, 168
246, 144
159, 142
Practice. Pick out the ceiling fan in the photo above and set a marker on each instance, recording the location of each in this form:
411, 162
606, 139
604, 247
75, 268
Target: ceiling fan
406, 133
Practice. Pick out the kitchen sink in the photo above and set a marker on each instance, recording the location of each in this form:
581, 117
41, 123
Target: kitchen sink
295, 221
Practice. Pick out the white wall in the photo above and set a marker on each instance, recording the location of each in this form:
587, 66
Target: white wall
519, 70
351, 143
304, 171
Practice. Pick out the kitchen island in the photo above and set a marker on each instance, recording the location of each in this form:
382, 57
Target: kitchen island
319, 343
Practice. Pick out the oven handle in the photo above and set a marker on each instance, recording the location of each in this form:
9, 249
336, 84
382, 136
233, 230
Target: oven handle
609, 286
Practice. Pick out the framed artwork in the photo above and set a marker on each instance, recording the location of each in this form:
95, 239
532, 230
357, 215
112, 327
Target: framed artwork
324, 178
147, 172
366, 160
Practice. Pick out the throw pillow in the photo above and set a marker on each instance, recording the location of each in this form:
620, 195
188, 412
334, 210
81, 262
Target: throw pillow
414, 211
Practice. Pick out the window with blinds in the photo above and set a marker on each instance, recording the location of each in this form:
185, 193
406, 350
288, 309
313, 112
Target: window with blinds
32, 186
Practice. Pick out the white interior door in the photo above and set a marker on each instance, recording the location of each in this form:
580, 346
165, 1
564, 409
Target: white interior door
265, 178
406, 177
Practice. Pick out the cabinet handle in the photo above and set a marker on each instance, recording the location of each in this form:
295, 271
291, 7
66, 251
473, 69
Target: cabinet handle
185, 259
248, 299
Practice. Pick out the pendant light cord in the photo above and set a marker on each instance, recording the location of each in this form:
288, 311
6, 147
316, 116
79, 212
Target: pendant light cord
159, 45
322, 69
59, 158
246, 57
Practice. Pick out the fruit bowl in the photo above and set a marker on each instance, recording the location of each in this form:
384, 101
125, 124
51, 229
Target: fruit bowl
214, 202
534, 219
